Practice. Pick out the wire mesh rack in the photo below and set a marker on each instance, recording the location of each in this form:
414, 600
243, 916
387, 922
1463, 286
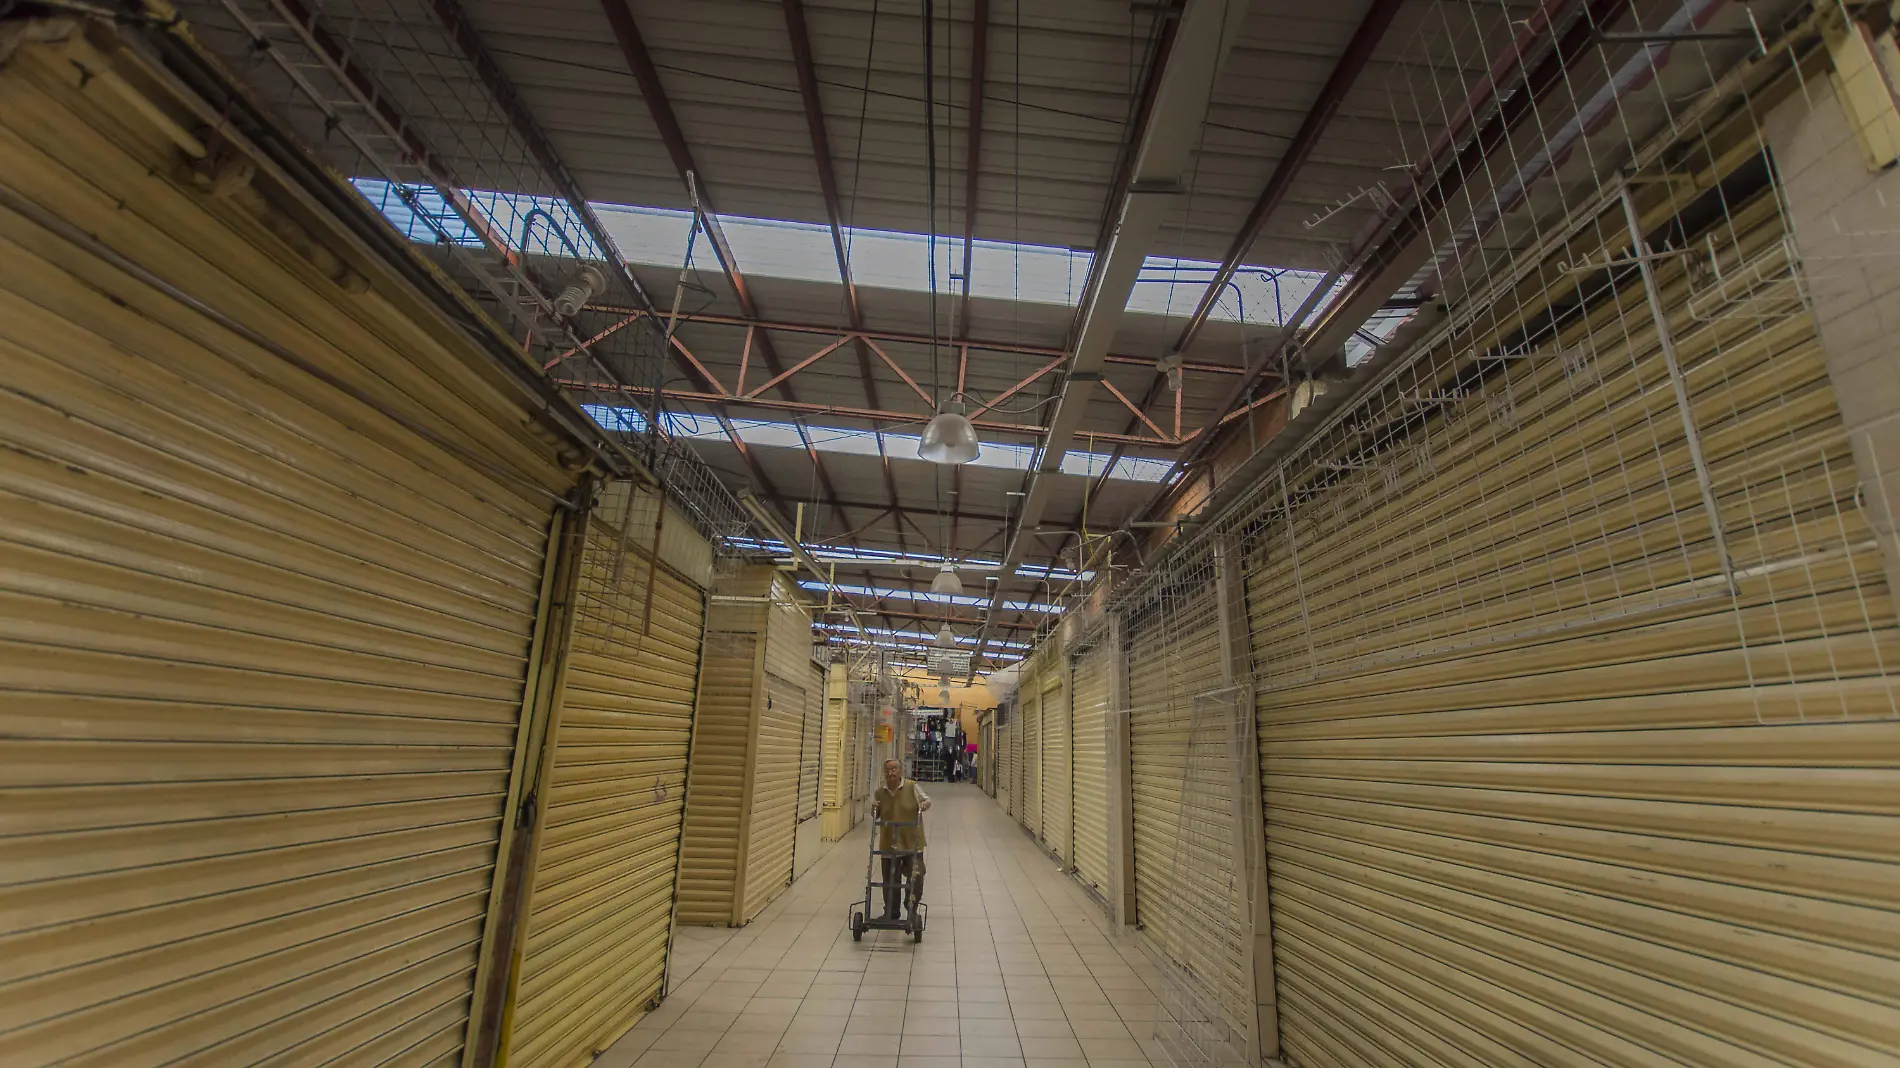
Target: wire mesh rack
400, 99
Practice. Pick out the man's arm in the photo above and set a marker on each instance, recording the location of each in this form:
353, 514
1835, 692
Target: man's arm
923, 799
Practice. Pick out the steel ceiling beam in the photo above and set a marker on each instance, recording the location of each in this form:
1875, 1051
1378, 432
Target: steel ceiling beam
876, 506
640, 64
1346, 70
1517, 81
1157, 173
902, 337
973, 150
800, 35
721, 402
1345, 74
501, 89
926, 617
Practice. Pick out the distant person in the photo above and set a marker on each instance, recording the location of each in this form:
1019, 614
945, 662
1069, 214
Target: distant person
901, 800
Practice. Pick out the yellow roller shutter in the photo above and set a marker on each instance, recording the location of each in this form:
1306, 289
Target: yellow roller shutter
1576, 803
724, 722
1184, 752
775, 772
1006, 759
835, 778
1030, 743
603, 888
1090, 703
811, 742
1058, 800
263, 634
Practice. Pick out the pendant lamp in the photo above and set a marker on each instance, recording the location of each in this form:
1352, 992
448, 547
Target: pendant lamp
945, 639
947, 580
948, 437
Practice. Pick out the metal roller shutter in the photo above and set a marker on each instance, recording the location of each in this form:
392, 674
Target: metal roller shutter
1006, 760
1029, 764
775, 768
835, 778
1091, 684
774, 814
1058, 786
1574, 802
603, 889
811, 742
264, 641
717, 774
1183, 747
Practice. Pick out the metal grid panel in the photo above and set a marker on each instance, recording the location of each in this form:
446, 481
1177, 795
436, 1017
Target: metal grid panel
393, 95
1186, 742
1569, 634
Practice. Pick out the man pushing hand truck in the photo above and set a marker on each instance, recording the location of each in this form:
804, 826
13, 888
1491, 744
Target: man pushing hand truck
897, 840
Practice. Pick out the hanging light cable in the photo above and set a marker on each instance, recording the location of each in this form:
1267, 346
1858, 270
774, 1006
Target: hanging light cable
949, 437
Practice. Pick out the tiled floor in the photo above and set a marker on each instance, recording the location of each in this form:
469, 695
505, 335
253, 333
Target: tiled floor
1017, 970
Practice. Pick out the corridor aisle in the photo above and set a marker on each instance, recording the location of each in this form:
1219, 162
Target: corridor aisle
1017, 970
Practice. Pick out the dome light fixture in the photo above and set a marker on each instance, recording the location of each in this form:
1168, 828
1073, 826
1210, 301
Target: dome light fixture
945, 639
948, 437
947, 580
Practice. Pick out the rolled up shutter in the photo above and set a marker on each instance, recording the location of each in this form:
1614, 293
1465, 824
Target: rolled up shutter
604, 882
1596, 808
1091, 689
263, 639
1058, 800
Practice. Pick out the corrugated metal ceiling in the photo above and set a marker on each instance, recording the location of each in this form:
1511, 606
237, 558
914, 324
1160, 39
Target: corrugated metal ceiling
1058, 95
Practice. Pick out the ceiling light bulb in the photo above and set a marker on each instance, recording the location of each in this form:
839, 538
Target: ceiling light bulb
947, 581
945, 639
949, 438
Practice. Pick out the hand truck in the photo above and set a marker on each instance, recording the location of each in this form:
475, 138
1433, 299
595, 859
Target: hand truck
859, 916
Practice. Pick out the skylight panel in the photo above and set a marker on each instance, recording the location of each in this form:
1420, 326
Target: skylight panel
902, 448
888, 593
802, 251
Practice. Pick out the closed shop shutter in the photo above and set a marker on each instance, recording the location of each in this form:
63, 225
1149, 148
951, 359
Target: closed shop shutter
811, 742
1091, 690
1575, 802
264, 641
1029, 809
1183, 750
1006, 760
774, 793
775, 771
1058, 801
835, 778
723, 725
604, 880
